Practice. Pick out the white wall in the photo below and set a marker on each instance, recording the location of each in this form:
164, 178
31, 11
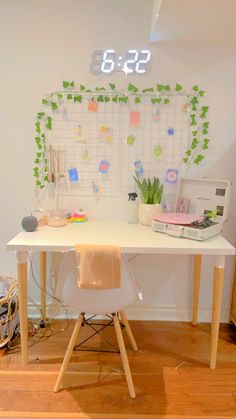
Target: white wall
42, 43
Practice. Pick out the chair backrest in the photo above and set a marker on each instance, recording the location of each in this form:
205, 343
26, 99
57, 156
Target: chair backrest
99, 301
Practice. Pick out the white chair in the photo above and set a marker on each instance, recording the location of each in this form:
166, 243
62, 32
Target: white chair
99, 301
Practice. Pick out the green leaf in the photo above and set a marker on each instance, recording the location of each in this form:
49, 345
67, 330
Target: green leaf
195, 88
115, 99
199, 158
106, 99
49, 123
44, 101
185, 159
45, 178
37, 127
166, 101
194, 133
69, 96
38, 140
188, 152
123, 99
54, 106
100, 89
36, 161
78, 98
167, 87
38, 183
193, 119
160, 87
137, 100
201, 93
205, 147
40, 115
194, 100
205, 125
100, 98
148, 89
72, 84
82, 87
112, 86
59, 96
88, 91
132, 88
156, 100
204, 108
194, 143
65, 84
205, 131
39, 154
178, 87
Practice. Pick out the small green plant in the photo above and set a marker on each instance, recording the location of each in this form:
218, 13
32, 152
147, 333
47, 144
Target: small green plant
150, 190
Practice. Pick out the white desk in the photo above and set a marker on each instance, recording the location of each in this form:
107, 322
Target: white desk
132, 238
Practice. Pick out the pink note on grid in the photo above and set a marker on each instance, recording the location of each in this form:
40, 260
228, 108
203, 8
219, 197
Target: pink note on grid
177, 218
134, 118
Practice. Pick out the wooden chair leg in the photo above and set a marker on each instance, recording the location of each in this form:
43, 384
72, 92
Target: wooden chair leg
69, 351
128, 330
124, 357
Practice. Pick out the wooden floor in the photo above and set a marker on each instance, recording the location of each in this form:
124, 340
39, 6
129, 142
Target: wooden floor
170, 373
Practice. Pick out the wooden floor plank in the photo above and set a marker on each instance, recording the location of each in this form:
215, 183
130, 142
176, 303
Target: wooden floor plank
170, 372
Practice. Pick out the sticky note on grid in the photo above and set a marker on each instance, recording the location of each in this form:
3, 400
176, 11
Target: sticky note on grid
134, 118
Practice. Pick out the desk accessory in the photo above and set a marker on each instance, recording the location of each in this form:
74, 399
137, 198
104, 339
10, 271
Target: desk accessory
204, 198
29, 223
79, 217
151, 191
132, 208
57, 218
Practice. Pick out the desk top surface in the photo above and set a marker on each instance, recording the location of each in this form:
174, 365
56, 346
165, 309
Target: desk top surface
132, 238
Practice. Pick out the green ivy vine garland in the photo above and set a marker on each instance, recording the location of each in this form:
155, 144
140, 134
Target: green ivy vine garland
160, 94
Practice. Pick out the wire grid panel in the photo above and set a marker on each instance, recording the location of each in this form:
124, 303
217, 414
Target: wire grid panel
118, 134
161, 138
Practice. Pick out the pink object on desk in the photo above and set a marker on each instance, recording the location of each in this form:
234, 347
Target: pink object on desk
177, 218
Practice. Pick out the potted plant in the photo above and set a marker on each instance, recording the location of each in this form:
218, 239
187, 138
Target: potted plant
151, 191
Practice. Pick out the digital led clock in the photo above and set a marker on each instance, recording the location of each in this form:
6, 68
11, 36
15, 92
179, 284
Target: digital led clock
134, 61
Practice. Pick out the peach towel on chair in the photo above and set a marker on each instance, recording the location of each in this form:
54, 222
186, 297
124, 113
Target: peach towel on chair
99, 266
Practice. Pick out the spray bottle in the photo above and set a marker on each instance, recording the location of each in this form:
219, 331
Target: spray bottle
132, 208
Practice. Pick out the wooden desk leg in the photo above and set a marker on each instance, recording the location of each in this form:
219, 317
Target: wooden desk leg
43, 269
196, 285
216, 305
21, 258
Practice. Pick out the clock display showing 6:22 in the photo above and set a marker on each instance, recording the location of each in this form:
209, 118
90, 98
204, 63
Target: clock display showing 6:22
134, 61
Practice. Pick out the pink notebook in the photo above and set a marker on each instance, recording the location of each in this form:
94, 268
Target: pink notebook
177, 218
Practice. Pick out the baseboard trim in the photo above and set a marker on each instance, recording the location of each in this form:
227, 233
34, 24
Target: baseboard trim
140, 312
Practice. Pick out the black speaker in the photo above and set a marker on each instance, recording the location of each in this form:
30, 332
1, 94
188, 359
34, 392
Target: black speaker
29, 223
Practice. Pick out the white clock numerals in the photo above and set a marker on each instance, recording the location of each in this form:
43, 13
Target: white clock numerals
95, 66
108, 62
144, 58
131, 58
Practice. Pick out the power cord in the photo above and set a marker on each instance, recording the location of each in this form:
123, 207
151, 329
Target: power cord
49, 294
37, 329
